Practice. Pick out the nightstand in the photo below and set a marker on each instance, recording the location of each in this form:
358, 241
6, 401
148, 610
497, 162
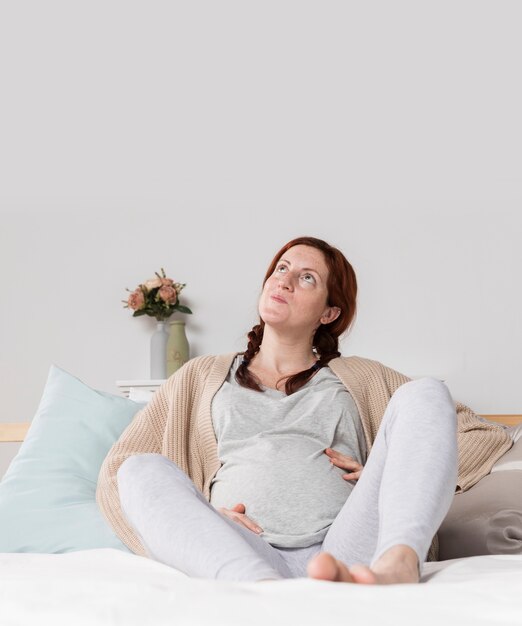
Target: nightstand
139, 390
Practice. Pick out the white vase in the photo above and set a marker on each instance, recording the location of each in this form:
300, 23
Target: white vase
158, 352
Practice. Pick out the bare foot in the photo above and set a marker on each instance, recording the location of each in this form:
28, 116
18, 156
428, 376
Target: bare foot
396, 565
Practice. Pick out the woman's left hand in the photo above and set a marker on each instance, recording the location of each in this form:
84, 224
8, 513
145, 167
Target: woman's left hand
345, 462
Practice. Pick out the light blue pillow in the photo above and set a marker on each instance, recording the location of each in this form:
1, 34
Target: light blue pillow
48, 494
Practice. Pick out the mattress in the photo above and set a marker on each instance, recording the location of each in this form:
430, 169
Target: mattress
111, 587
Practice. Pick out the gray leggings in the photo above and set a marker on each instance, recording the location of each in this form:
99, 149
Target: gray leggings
403, 494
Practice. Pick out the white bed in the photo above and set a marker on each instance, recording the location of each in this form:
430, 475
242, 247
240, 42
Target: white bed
61, 564
109, 587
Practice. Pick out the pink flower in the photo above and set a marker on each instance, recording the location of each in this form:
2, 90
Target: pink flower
136, 300
152, 283
168, 294
157, 297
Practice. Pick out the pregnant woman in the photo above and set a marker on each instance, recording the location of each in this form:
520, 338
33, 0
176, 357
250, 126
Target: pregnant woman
288, 460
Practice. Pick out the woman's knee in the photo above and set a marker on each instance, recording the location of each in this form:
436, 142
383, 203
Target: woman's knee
423, 396
141, 468
136, 464
142, 472
425, 388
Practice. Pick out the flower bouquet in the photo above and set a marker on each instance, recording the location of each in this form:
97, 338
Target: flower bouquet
157, 297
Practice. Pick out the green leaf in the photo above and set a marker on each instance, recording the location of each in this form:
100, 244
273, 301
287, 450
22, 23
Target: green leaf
183, 309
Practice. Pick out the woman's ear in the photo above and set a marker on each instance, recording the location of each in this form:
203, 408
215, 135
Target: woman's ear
330, 314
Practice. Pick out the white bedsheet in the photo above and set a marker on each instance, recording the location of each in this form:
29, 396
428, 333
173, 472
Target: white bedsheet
111, 587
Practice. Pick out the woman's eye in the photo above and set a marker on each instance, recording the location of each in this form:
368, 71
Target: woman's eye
281, 268
308, 278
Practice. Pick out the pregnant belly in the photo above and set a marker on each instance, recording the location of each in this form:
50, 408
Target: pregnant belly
291, 495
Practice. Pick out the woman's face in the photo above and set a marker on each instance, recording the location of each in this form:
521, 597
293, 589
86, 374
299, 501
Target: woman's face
295, 296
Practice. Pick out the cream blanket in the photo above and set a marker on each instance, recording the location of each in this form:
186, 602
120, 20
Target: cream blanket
107, 587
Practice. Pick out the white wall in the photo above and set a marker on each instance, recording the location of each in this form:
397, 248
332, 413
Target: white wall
201, 136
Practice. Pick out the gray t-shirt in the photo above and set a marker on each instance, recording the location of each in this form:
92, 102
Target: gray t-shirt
271, 447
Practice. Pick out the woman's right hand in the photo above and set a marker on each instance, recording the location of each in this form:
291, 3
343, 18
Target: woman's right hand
237, 514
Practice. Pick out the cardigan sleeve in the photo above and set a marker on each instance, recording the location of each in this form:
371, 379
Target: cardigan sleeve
480, 443
144, 434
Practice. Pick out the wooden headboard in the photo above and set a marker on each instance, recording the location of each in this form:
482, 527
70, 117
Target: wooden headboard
508, 420
16, 431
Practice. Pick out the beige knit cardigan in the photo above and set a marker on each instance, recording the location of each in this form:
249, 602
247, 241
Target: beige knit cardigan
177, 423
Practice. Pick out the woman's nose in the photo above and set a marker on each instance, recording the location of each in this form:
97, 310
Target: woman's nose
285, 281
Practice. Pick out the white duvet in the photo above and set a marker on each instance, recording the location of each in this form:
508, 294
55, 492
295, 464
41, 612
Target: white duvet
111, 587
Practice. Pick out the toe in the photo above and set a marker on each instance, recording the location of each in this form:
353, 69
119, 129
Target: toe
326, 567
363, 575
322, 566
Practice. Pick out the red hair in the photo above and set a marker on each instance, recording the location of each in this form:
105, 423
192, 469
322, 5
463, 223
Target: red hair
342, 293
